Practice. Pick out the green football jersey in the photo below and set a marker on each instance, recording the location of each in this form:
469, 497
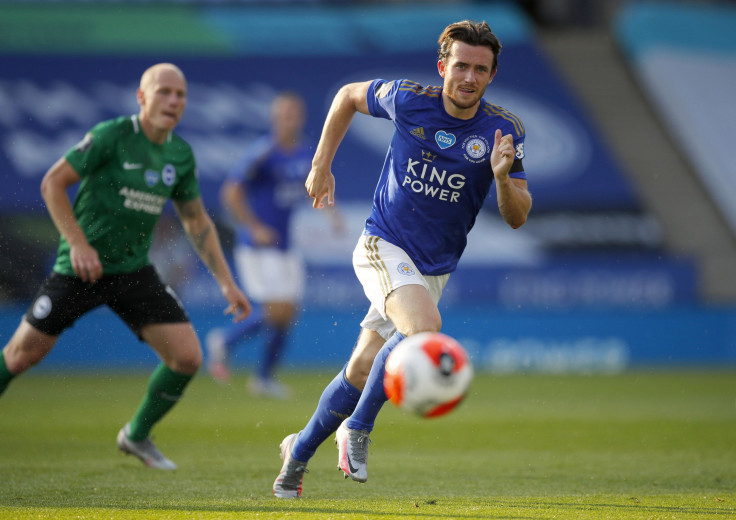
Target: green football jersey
126, 180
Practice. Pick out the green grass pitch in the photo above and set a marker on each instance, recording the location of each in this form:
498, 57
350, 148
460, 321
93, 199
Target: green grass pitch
639, 445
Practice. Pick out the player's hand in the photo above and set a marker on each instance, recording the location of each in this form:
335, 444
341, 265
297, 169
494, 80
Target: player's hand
320, 184
86, 262
264, 235
239, 306
502, 155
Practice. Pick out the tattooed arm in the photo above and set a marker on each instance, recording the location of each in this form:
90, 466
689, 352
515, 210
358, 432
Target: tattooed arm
203, 236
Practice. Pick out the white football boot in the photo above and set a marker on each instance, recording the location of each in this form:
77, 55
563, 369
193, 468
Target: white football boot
289, 482
145, 450
352, 449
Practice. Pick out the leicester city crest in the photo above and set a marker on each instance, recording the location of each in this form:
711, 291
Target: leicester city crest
476, 148
405, 269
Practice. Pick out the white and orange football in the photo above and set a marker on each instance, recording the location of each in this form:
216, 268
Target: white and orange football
427, 374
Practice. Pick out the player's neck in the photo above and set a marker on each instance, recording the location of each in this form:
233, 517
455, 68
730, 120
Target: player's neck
154, 134
455, 111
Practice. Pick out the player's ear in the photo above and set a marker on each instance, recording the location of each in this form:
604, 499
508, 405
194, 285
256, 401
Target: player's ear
140, 97
441, 68
492, 75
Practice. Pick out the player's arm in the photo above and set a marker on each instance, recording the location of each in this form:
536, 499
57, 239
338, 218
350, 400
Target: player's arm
233, 197
202, 233
351, 98
512, 195
84, 258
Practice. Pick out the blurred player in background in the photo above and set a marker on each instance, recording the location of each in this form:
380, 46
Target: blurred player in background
260, 195
128, 167
449, 145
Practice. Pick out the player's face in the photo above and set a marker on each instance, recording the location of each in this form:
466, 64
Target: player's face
467, 73
288, 117
163, 100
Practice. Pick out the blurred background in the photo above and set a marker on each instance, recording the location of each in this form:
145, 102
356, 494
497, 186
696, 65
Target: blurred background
628, 258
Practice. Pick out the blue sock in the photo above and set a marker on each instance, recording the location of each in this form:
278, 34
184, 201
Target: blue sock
236, 332
272, 352
374, 395
336, 404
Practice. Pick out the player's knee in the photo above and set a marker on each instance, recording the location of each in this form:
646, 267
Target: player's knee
20, 356
281, 314
358, 369
187, 362
424, 323
26, 348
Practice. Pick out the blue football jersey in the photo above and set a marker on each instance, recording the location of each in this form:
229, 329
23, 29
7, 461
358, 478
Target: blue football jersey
437, 172
274, 182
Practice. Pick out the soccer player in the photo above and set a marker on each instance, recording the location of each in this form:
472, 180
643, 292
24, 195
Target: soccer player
128, 168
260, 195
449, 145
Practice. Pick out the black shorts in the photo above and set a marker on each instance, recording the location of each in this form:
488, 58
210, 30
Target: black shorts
139, 298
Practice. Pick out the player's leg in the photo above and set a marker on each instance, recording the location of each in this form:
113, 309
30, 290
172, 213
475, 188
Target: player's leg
58, 303
412, 310
339, 398
336, 404
403, 300
154, 313
26, 348
282, 287
221, 342
279, 316
178, 347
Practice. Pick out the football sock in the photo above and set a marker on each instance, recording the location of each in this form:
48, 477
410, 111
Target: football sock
165, 388
374, 395
5, 375
336, 404
272, 352
236, 332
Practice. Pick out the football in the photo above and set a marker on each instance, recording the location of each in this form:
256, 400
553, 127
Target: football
427, 374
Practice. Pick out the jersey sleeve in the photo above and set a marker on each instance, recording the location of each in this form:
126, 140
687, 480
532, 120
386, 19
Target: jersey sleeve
517, 168
516, 128
381, 98
94, 150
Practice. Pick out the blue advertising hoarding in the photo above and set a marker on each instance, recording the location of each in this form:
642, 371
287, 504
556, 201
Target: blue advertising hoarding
498, 340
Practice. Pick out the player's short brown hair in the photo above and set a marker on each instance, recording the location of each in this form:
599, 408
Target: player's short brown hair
472, 33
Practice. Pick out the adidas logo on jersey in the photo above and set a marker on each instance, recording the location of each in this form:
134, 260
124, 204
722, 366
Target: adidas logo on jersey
418, 132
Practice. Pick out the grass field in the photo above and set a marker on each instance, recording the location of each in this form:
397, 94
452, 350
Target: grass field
642, 445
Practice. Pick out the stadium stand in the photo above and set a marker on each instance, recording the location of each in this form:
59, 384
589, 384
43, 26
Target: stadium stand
608, 254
